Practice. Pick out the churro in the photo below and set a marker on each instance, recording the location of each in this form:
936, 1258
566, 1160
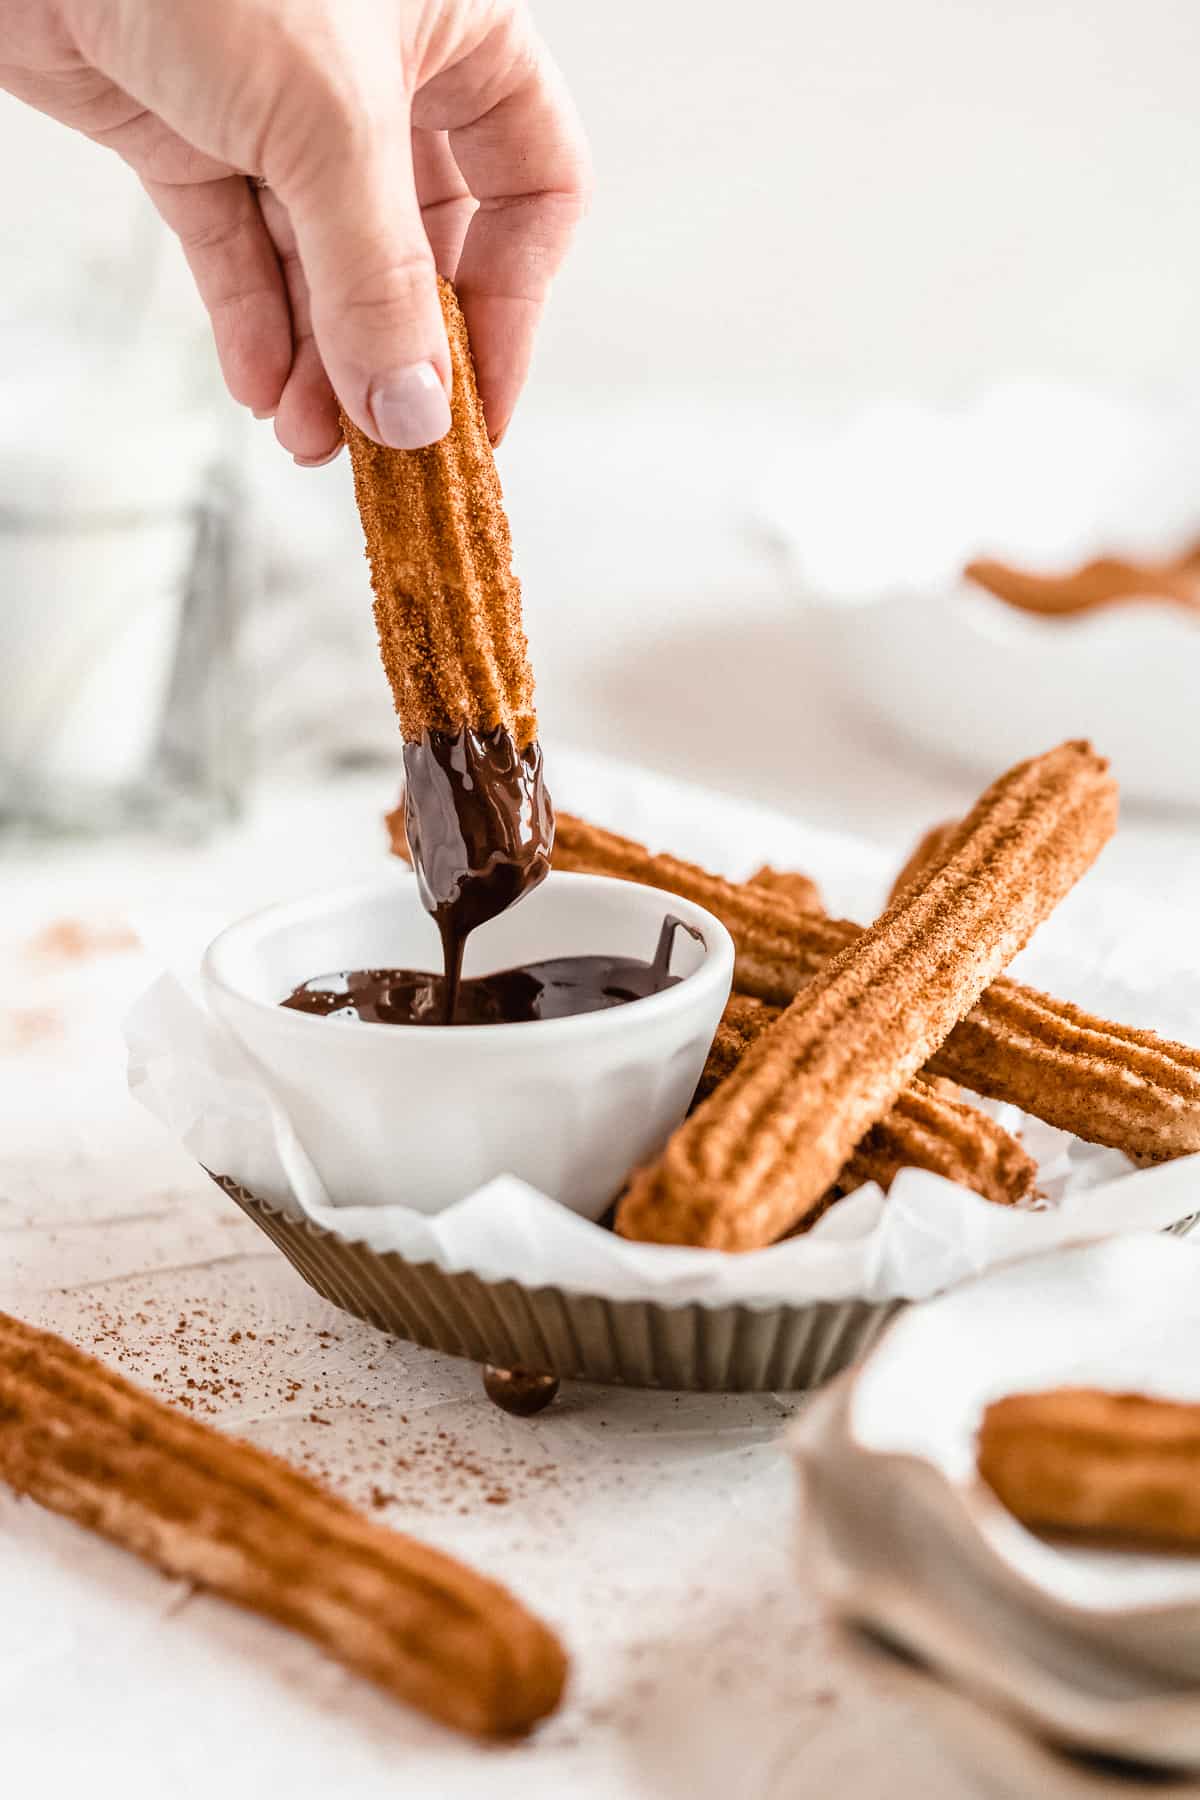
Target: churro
1107, 1083
448, 610
84, 1442
1082, 1460
791, 885
758, 1155
930, 848
929, 1127
1106, 581
447, 604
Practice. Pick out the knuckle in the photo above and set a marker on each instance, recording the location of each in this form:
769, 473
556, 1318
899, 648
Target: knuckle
207, 237
398, 287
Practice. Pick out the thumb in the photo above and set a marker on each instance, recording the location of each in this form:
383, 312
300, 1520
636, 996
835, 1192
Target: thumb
376, 315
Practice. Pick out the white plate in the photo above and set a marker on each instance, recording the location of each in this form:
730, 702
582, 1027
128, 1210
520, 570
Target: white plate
1097, 1649
878, 522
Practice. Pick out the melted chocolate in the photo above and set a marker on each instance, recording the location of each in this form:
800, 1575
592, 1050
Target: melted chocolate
558, 988
521, 1392
480, 830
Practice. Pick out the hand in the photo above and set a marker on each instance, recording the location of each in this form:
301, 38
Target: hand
393, 137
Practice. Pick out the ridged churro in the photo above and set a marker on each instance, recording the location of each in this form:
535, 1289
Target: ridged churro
928, 850
789, 884
929, 1127
1083, 1460
1106, 581
84, 1442
1107, 1083
448, 609
759, 1154
447, 604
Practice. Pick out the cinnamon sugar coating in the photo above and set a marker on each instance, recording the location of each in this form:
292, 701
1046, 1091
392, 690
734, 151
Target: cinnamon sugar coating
929, 1127
447, 604
1084, 1460
929, 849
789, 884
82, 1441
1107, 1083
758, 1156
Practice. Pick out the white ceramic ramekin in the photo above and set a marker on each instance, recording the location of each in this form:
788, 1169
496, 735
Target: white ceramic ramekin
422, 1116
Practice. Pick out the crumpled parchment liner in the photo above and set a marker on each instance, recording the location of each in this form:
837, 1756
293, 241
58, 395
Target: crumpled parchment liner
927, 1235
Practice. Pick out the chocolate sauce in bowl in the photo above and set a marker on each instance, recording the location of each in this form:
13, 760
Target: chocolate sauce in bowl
560, 987
480, 830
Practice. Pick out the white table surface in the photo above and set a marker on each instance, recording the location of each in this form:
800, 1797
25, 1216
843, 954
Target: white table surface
655, 1531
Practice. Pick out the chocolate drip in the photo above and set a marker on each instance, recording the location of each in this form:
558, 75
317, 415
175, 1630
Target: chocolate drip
559, 988
480, 829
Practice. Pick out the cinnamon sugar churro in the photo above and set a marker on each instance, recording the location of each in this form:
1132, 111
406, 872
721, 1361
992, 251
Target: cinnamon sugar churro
1083, 1460
929, 1127
1107, 1083
447, 604
757, 1157
84, 1442
929, 849
1106, 581
448, 609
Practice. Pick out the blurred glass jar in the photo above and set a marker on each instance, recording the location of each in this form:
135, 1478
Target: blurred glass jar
124, 571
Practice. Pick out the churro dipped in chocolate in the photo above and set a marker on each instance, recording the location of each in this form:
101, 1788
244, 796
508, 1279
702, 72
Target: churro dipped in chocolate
1121, 1466
448, 609
758, 1156
929, 1127
1107, 1083
82, 1441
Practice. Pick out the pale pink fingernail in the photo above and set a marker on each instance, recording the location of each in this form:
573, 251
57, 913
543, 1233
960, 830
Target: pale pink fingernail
269, 414
409, 407
316, 462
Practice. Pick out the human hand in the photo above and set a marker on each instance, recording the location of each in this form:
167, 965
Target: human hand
394, 138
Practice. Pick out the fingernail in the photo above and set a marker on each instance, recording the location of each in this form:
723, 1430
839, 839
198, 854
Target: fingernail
409, 407
269, 414
316, 462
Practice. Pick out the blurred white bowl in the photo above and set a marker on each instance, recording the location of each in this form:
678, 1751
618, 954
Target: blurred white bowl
878, 523
410, 1113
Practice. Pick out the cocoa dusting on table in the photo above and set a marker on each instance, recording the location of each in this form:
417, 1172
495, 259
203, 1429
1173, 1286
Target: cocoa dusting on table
370, 1454
75, 940
27, 1026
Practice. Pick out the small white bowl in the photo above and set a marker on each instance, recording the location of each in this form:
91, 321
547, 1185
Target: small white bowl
423, 1116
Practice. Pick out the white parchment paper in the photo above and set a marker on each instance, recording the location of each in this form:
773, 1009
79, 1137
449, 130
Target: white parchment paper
926, 1236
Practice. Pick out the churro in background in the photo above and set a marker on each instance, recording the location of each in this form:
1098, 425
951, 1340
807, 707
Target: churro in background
1120, 1466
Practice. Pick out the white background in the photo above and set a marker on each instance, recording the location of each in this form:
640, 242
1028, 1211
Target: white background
802, 210
830, 200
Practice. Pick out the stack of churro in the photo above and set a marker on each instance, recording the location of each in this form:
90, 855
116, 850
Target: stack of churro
748, 1165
